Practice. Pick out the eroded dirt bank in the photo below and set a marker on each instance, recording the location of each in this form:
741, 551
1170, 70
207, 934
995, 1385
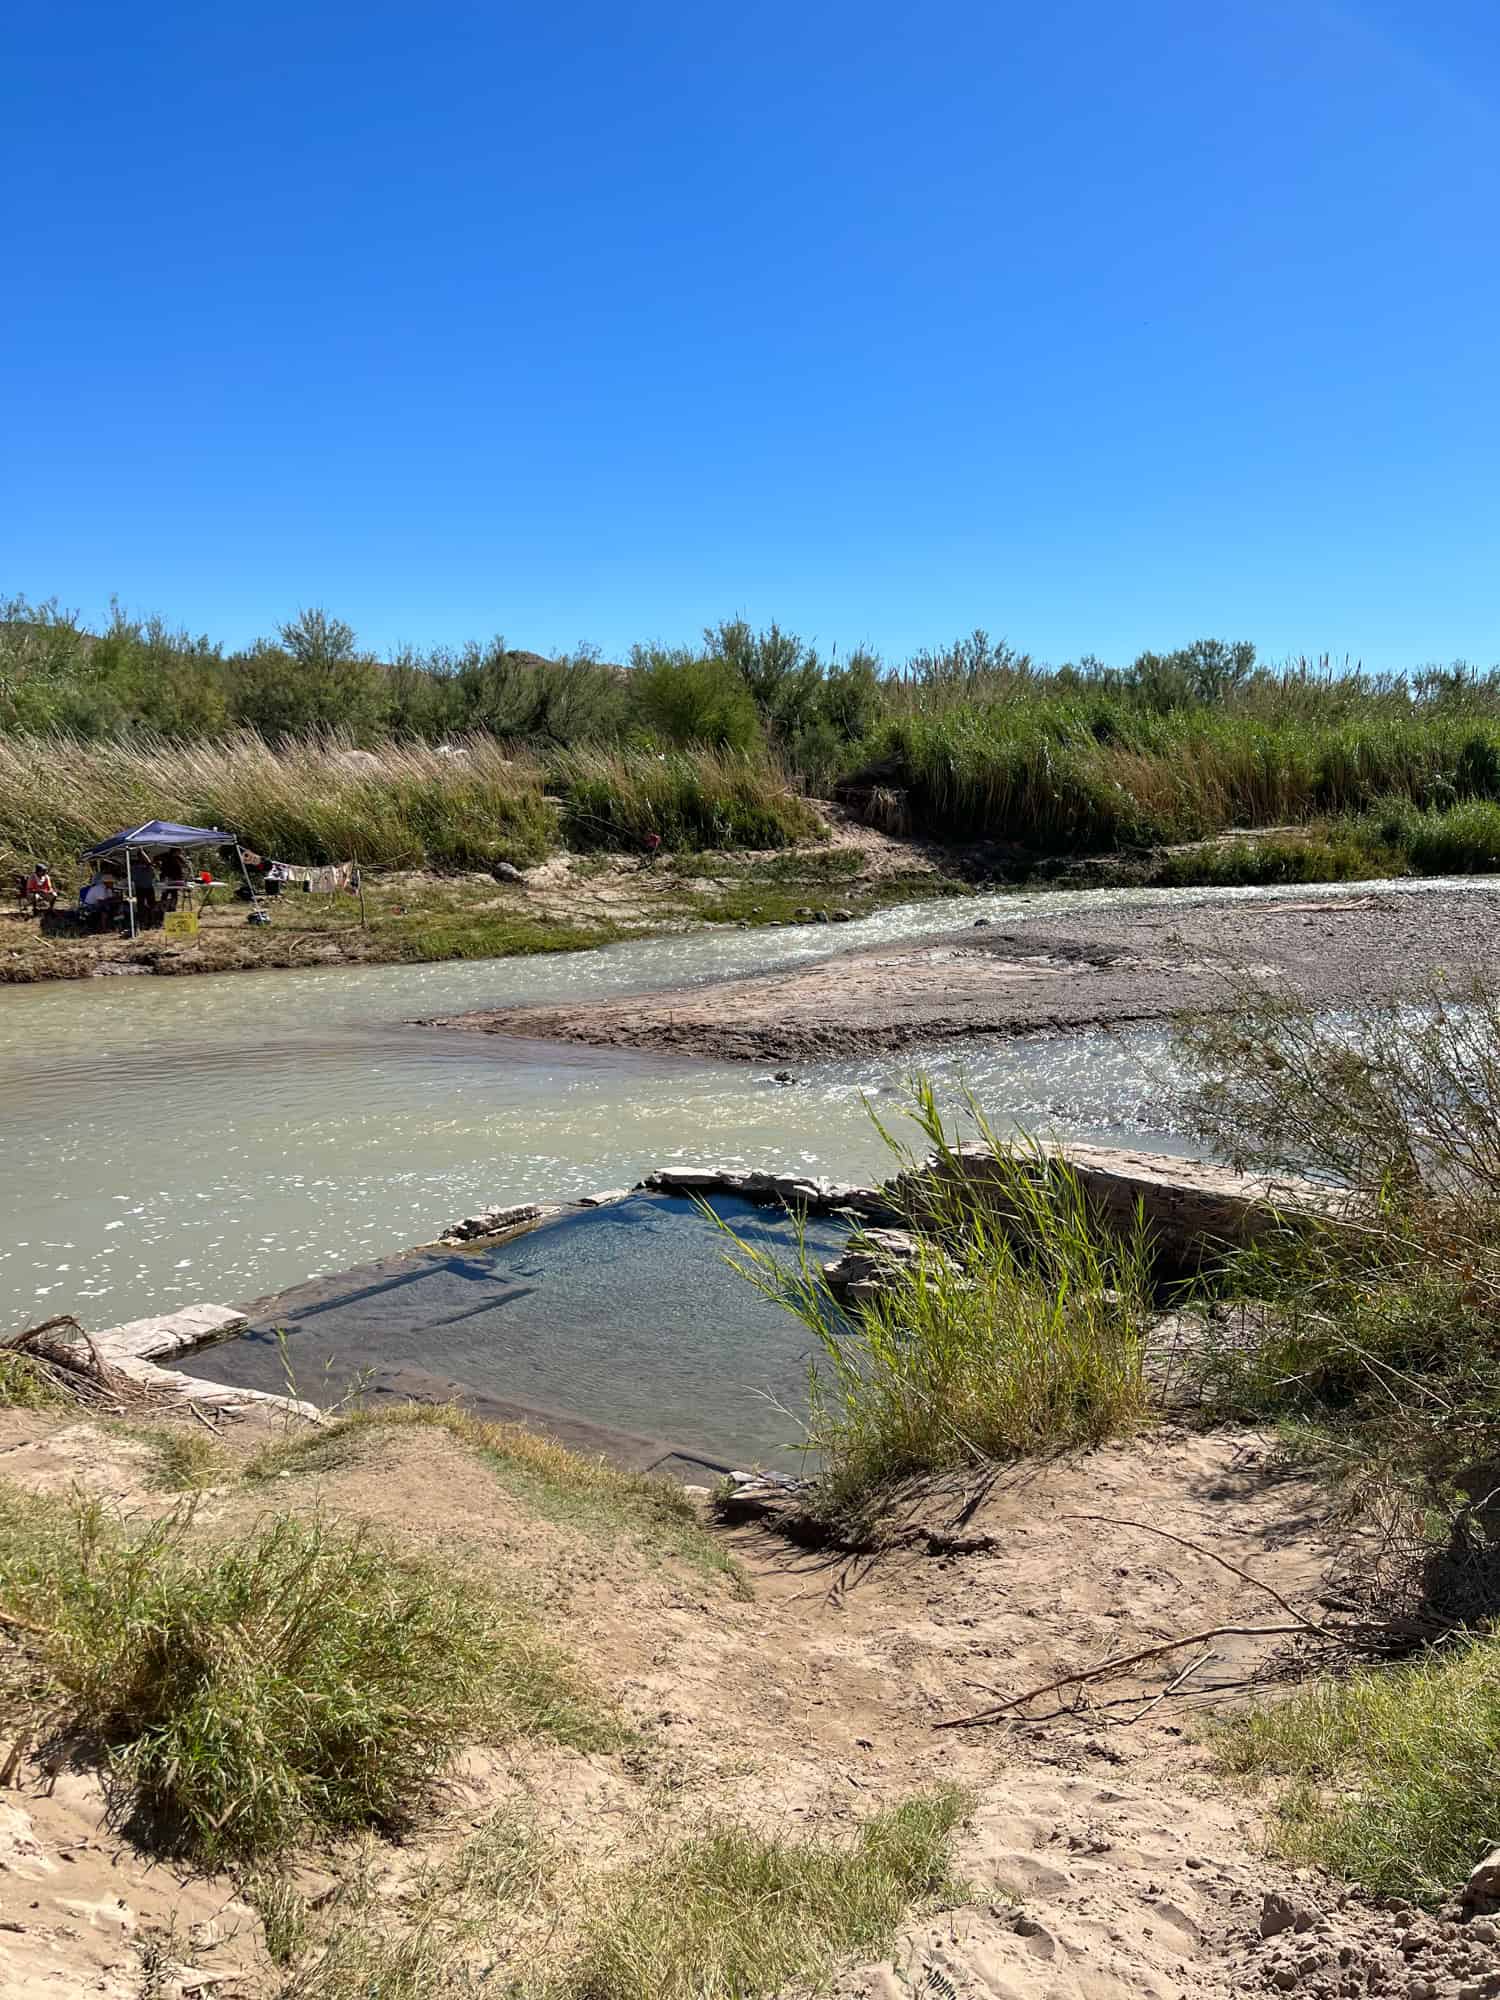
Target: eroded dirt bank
1101, 966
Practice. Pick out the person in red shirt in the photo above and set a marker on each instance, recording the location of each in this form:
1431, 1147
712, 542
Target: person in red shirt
39, 891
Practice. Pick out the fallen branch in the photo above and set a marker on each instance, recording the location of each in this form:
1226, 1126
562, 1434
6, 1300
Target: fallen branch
1120, 1662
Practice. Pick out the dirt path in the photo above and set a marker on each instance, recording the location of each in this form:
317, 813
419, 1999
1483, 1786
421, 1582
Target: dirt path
1106, 1861
1101, 966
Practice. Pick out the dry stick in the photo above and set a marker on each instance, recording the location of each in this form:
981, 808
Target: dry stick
1118, 1665
1171, 1687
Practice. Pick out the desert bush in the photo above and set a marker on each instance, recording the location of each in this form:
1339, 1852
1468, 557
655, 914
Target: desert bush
692, 700
243, 1693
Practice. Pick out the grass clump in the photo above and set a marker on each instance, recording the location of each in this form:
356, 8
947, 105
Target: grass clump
563, 1486
443, 1935
729, 1914
1392, 1770
243, 1694
1017, 1329
1381, 1339
25, 1385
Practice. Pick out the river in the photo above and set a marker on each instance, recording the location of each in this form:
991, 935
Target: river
166, 1141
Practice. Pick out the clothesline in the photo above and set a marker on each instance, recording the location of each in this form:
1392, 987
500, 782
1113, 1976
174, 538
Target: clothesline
334, 879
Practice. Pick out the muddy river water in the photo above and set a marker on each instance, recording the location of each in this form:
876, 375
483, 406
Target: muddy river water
165, 1141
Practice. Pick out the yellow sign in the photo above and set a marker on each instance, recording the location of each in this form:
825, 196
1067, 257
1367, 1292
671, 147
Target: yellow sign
180, 923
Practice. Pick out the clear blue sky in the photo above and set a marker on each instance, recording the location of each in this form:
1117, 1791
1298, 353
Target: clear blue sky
1102, 323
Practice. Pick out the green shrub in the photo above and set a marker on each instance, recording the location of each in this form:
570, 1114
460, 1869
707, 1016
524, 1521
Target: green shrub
692, 700
243, 1694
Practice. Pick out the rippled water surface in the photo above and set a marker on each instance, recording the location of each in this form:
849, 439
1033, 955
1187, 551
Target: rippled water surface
219, 1138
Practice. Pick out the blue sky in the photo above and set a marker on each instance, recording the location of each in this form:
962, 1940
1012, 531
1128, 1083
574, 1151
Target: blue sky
1099, 324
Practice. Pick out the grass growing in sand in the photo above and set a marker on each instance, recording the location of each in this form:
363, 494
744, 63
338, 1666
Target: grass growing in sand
729, 1914
1392, 1770
562, 1486
1378, 1351
724, 1914
1017, 1330
242, 1695
443, 1934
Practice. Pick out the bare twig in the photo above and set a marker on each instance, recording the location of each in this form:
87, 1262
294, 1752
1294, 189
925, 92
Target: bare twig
1119, 1664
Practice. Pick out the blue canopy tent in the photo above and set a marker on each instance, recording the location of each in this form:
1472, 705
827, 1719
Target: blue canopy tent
155, 837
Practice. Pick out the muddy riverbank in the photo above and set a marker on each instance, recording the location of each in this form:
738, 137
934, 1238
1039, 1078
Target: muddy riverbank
1102, 966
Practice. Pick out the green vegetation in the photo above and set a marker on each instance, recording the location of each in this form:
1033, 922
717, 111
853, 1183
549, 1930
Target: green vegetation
313, 749
1374, 1346
242, 1695
1393, 1770
730, 1914
559, 1485
26, 1386
1379, 1343
185, 1460
443, 1934
689, 799
725, 1914
1018, 1329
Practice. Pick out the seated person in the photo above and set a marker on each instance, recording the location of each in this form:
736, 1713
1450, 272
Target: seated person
99, 899
38, 890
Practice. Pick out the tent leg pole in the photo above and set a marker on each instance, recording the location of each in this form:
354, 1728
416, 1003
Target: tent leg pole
130, 892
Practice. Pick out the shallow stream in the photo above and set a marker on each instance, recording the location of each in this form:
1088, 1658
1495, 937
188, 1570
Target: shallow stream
167, 1141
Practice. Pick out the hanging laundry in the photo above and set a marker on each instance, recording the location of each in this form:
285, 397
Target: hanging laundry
339, 878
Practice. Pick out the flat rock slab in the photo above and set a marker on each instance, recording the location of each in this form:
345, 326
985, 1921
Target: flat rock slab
1191, 1208
166, 1334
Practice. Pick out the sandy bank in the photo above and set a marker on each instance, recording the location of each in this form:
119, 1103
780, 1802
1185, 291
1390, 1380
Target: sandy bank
1099, 967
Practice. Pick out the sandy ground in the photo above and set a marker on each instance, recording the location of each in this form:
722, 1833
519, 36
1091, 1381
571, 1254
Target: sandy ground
1104, 1859
1102, 966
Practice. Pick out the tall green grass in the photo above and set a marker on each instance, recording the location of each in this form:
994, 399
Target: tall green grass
401, 806
1392, 1770
689, 799
404, 806
1018, 1328
1089, 774
243, 1694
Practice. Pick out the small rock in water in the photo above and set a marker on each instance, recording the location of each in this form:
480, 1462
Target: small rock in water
803, 916
820, 916
843, 917
783, 1076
